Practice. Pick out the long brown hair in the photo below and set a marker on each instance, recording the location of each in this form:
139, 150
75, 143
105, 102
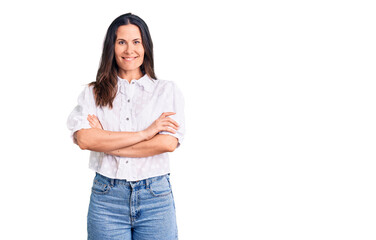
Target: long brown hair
105, 86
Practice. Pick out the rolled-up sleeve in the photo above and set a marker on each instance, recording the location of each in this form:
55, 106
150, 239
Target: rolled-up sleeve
176, 103
78, 118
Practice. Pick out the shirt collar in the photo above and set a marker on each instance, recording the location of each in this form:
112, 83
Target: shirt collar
145, 81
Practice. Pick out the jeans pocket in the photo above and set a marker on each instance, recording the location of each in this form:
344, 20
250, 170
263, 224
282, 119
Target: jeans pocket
160, 187
100, 186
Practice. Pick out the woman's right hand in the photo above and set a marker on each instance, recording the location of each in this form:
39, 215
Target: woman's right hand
163, 123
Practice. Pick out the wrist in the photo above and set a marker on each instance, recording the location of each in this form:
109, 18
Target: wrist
144, 136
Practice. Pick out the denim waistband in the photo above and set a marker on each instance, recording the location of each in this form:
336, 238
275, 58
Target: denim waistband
143, 182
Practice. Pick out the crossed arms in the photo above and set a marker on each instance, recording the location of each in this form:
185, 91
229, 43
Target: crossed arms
129, 144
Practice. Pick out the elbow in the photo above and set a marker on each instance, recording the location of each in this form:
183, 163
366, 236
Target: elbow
168, 143
82, 146
81, 139
172, 145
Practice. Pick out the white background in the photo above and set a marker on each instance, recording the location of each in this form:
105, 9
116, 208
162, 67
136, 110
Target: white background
280, 114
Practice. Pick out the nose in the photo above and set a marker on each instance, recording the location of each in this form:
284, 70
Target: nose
128, 48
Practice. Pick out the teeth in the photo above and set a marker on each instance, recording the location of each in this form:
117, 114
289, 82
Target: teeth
129, 58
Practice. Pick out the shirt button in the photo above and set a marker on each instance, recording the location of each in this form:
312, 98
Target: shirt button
129, 100
126, 161
127, 119
132, 82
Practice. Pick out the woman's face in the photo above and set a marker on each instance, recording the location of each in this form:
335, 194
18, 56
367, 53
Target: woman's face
129, 51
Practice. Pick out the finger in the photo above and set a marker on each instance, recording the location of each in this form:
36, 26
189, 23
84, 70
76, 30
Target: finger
96, 120
92, 117
170, 130
92, 122
172, 121
169, 124
173, 126
166, 114
92, 125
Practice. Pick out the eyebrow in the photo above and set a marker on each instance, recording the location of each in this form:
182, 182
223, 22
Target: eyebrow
126, 40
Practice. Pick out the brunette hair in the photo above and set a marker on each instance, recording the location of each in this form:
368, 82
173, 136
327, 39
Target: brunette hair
105, 86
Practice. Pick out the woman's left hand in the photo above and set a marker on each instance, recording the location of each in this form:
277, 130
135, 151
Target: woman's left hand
94, 121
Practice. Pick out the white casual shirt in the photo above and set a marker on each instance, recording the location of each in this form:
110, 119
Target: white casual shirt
136, 106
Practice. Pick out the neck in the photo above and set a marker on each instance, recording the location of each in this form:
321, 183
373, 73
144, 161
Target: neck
130, 75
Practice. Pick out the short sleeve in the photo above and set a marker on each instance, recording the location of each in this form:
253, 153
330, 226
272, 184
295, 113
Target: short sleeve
78, 118
176, 103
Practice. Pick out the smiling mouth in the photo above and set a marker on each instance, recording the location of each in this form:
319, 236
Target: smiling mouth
128, 58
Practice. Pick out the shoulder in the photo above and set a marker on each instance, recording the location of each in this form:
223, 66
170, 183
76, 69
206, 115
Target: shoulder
161, 83
88, 89
166, 85
169, 88
87, 93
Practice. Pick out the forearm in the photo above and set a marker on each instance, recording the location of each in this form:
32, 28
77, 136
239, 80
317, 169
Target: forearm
158, 144
99, 140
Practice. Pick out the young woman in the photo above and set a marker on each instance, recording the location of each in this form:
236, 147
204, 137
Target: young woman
129, 121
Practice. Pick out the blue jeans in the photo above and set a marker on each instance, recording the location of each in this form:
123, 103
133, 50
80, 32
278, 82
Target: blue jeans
138, 210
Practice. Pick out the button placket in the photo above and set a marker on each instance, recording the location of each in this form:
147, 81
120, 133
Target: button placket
128, 123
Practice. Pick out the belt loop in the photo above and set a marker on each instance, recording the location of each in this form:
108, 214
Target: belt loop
147, 183
112, 182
